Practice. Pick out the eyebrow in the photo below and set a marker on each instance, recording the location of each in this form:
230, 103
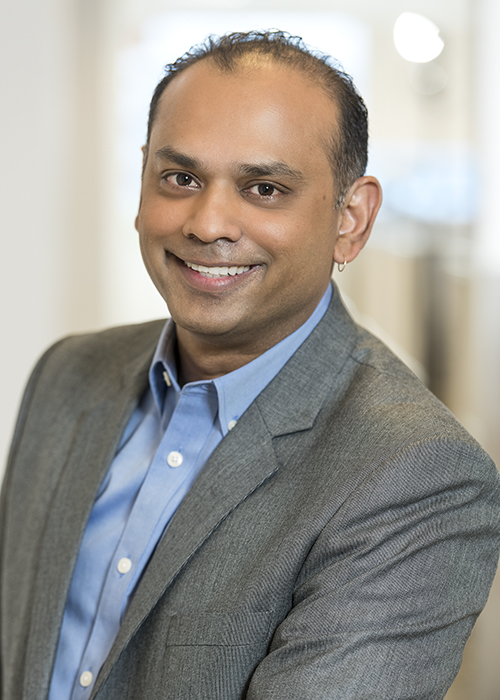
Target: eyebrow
185, 161
271, 169
265, 169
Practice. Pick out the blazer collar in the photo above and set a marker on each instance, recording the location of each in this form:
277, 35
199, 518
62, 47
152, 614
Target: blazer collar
293, 399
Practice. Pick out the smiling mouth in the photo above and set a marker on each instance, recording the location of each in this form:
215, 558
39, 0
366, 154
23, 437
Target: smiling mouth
213, 272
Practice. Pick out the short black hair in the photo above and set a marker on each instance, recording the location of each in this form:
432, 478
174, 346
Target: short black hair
348, 148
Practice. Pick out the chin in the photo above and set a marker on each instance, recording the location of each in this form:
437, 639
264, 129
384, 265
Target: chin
205, 326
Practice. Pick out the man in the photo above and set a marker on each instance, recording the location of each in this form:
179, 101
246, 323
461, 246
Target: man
278, 509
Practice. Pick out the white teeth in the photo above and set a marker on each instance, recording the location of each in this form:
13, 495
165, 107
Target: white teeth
217, 271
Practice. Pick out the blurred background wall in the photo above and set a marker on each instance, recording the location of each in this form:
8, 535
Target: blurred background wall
75, 80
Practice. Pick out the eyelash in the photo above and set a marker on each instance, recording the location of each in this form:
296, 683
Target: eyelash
191, 179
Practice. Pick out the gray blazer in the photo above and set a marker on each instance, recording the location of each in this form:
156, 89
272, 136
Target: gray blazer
338, 544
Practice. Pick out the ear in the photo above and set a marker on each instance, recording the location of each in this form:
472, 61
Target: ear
357, 218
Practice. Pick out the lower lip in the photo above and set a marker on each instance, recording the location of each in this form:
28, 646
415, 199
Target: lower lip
213, 284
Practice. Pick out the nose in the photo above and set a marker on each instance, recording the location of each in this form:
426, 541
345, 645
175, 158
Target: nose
213, 216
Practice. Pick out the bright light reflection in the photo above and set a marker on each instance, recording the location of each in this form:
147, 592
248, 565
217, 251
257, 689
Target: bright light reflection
417, 38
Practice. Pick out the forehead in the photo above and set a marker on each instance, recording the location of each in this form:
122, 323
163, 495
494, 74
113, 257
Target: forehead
257, 105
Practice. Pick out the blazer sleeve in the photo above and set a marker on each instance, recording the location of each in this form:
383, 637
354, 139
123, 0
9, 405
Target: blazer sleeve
393, 585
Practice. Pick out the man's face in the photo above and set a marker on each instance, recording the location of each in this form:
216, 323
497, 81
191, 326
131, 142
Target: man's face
237, 219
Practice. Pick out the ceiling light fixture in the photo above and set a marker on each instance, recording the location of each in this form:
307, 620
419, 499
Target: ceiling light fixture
417, 38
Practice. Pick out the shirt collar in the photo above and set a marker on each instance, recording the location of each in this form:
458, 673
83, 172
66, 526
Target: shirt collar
163, 370
236, 390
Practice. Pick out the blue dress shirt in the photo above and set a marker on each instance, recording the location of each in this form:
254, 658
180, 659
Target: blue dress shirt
166, 444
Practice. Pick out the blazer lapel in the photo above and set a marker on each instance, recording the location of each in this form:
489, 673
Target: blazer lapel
317, 371
231, 474
94, 443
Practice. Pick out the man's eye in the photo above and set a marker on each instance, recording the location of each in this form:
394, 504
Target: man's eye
183, 180
264, 189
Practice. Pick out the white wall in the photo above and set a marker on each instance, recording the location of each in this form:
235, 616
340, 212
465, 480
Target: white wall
49, 184
485, 256
35, 135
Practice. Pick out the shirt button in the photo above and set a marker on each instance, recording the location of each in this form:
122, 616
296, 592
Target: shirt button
86, 679
124, 566
174, 459
231, 424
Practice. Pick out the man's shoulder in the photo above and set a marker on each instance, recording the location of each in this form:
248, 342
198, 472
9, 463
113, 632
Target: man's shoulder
92, 364
373, 397
122, 340
116, 345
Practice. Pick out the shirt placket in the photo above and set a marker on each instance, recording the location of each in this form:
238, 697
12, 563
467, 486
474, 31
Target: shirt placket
172, 472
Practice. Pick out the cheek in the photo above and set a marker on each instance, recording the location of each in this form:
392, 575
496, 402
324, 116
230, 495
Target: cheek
147, 254
152, 247
159, 218
146, 238
300, 239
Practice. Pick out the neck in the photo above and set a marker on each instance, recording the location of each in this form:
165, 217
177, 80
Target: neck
201, 356
199, 360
